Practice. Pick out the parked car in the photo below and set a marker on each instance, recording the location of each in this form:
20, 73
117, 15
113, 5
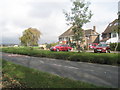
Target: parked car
93, 45
102, 48
61, 47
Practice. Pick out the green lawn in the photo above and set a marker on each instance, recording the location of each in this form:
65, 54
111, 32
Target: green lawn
16, 76
101, 58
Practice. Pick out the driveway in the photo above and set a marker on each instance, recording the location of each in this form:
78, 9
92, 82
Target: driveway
102, 75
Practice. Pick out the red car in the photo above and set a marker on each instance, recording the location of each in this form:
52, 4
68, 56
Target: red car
61, 48
93, 45
102, 48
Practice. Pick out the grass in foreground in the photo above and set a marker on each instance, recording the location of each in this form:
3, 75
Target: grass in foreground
16, 76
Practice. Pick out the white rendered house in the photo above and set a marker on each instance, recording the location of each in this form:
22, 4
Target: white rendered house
114, 38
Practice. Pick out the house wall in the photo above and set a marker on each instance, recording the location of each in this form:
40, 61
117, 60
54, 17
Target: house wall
114, 38
64, 40
94, 39
91, 39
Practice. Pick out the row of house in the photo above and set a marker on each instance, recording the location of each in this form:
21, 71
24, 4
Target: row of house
110, 35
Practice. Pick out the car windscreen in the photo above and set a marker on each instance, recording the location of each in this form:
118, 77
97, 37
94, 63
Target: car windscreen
102, 45
58, 45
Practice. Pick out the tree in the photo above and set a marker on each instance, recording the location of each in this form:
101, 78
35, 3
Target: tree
79, 15
30, 37
117, 30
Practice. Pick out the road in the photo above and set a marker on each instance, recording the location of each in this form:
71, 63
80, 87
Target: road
102, 75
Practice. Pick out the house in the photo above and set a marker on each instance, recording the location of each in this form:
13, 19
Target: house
66, 36
110, 35
90, 36
119, 9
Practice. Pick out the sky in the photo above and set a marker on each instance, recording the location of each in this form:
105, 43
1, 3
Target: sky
47, 16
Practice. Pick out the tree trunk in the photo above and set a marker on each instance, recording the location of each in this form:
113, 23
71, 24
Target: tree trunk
78, 47
116, 47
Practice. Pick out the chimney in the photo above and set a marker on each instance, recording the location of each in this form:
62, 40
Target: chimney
94, 28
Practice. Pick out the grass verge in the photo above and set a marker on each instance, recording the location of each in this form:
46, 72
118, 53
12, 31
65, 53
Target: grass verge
16, 76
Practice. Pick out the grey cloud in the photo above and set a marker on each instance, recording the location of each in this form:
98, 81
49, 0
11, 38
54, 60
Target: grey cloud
10, 40
43, 10
48, 39
22, 23
15, 40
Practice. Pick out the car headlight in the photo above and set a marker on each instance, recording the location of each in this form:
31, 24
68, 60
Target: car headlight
104, 48
54, 47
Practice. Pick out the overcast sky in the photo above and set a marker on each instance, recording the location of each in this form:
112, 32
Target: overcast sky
47, 16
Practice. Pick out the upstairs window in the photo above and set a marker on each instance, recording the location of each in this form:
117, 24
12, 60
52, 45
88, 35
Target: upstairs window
110, 24
109, 35
114, 35
119, 36
104, 35
116, 24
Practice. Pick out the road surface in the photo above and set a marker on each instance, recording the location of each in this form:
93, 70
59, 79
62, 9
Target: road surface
102, 75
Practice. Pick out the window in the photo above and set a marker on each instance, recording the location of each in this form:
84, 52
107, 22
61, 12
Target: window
102, 45
104, 35
60, 39
119, 36
110, 24
109, 35
64, 45
116, 24
114, 35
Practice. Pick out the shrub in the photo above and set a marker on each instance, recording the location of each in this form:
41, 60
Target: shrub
101, 58
113, 45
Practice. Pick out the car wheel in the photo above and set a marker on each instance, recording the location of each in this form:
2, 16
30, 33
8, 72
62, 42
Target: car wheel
105, 51
95, 51
57, 50
108, 51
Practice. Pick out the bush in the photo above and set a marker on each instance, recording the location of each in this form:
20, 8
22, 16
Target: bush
101, 58
113, 45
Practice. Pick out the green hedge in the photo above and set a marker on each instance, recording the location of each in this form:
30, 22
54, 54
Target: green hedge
101, 58
113, 45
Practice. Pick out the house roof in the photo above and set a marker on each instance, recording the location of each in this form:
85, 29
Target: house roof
70, 32
67, 33
90, 32
111, 27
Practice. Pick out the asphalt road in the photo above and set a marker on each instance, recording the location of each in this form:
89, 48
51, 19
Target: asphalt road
102, 75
